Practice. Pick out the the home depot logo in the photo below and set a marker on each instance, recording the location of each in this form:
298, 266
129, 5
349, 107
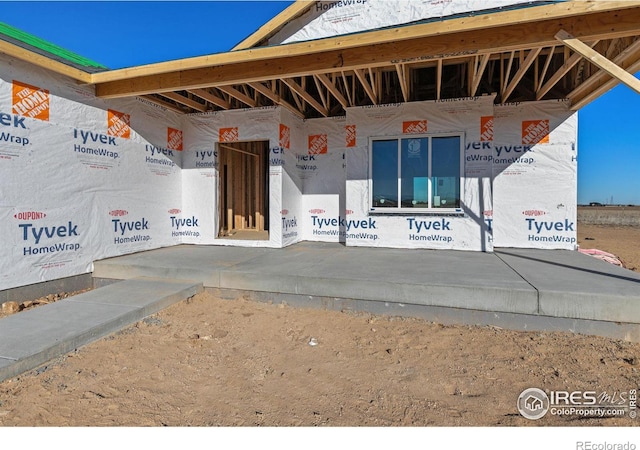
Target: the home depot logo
486, 128
228, 134
318, 144
118, 124
351, 135
414, 126
285, 136
174, 139
535, 132
30, 101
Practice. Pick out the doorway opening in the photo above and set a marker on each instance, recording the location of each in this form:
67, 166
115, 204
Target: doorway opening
243, 190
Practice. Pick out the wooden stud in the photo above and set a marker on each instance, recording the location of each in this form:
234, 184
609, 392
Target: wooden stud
295, 87
598, 60
533, 54
233, 92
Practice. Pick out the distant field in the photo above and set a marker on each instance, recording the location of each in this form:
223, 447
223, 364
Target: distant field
627, 216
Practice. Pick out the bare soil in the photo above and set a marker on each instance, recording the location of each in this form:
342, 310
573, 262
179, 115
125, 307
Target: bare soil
213, 362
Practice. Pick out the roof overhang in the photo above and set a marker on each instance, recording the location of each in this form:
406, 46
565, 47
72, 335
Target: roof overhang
576, 49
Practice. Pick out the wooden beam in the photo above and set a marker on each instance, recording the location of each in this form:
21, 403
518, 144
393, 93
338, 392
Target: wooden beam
586, 16
295, 87
439, 79
265, 31
43, 61
185, 101
624, 59
331, 87
557, 76
403, 77
600, 90
598, 60
275, 98
346, 88
365, 84
163, 103
211, 98
478, 71
327, 55
524, 66
233, 92
321, 92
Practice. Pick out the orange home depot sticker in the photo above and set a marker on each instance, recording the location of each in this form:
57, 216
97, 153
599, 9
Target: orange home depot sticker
535, 132
414, 126
285, 136
228, 134
174, 139
486, 128
30, 101
351, 135
318, 144
118, 124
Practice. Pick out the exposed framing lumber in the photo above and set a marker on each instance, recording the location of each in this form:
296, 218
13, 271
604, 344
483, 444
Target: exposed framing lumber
42, 61
439, 79
478, 70
365, 84
211, 98
405, 84
598, 60
524, 66
264, 32
420, 48
561, 72
163, 103
275, 98
531, 24
322, 92
233, 92
233, 149
600, 83
185, 101
298, 89
331, 87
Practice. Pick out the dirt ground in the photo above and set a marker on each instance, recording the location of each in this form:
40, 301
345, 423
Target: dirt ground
211, 362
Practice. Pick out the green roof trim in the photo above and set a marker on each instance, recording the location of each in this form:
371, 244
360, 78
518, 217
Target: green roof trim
18, 37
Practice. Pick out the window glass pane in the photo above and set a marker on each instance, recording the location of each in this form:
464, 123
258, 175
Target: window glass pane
384, 173
414, 166
445, 172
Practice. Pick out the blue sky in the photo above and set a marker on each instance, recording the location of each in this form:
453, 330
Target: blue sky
151, 31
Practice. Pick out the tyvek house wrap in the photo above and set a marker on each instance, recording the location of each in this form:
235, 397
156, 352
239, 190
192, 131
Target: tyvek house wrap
466, 231
81, 179
334, 18
535, 175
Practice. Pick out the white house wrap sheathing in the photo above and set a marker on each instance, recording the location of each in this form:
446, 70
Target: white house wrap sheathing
535, 175
334, 18
81, 179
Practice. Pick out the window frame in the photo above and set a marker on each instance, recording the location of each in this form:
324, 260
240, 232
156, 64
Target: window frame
399, 209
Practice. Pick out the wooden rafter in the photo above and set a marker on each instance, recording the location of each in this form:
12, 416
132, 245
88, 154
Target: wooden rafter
601, 89
403, 77
367, 87
557, 76
298, 89
322, 92
598, 60
439, 79
348, 53
163, 103
524, 66
346, 88
211, 98
331, 87
185, 101
478, 70
233, 92
275, 98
